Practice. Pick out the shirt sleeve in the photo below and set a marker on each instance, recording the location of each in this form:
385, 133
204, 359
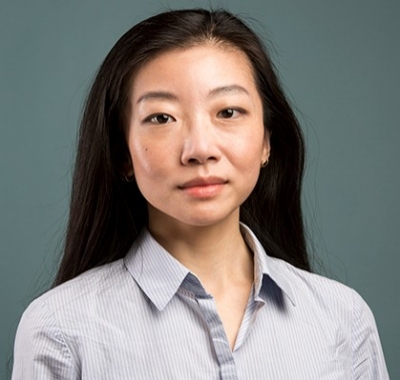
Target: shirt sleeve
368, 361
40, 350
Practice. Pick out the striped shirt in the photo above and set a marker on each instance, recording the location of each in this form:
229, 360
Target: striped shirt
148, 317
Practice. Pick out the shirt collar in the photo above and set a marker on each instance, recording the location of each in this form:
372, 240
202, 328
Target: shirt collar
157, 272
265, 265
160, 275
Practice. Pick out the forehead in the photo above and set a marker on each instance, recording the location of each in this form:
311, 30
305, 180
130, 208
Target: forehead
205, 66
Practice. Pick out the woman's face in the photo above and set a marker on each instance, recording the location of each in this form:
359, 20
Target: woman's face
196, 135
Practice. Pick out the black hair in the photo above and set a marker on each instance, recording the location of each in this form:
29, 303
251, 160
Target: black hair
107, 213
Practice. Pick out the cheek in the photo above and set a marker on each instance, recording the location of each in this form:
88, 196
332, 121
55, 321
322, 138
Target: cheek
140, 153
148, 163
248, 149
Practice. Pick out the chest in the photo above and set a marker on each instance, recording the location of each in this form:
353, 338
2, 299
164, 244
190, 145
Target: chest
187, 341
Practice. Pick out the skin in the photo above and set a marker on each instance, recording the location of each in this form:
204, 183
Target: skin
196, 140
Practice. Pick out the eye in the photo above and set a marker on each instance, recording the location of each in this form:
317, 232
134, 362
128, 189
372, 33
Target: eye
230, 113
160, 118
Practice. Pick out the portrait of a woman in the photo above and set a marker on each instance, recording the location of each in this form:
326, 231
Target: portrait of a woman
185, 255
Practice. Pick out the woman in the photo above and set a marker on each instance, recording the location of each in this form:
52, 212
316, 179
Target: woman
185, 254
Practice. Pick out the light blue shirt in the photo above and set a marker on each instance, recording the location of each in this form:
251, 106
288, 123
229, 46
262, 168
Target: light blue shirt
149, 317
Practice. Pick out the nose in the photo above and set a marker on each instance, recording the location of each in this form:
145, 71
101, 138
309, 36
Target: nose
200, 144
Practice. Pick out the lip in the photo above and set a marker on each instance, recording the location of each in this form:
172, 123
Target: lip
203, 187
203, 181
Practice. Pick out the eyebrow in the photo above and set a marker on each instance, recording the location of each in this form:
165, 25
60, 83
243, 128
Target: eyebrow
234, 88
165, 95
161, 95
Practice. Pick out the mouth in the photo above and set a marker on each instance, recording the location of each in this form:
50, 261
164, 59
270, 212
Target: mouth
203, 181
203, 187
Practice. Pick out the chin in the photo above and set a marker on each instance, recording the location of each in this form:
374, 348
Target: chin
210, 219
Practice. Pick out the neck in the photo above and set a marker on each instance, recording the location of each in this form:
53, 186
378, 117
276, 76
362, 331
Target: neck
217, 253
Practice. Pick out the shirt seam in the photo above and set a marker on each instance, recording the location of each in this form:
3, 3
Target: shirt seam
66, 351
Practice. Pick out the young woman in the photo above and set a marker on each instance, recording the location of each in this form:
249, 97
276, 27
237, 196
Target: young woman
185, 255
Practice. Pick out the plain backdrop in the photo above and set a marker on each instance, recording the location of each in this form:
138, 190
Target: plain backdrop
339, 62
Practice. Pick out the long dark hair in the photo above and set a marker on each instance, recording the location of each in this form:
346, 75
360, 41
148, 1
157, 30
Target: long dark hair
107, 213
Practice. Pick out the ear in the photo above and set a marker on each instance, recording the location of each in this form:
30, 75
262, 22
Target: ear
127, 168
266, 147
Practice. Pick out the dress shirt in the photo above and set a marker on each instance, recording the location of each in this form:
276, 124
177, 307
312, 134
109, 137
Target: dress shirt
148, 317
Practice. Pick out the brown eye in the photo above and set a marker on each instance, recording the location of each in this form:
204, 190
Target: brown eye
160, 118
230, 113
227, 114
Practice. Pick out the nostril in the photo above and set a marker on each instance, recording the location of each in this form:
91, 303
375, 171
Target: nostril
212, 158
199, 160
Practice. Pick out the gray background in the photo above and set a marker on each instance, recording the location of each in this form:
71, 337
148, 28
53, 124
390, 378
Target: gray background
338, 60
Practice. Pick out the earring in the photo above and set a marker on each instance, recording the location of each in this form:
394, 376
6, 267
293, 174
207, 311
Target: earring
264, 164
127, 179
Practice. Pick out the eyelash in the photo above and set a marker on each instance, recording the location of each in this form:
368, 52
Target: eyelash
235, 111
153, 118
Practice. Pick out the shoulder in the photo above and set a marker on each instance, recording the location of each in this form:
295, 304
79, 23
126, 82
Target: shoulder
78, 297
318, 298
313, 288
50, 329
338, 309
